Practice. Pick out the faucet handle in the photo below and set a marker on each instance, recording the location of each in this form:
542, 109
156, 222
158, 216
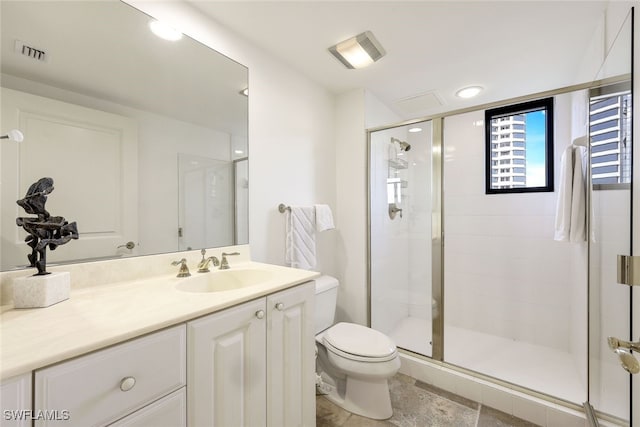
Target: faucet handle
184, 270
224, 264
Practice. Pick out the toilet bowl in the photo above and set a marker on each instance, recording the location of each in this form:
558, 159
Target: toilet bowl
354, 361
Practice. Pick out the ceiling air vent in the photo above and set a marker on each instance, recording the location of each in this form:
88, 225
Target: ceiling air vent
32, 52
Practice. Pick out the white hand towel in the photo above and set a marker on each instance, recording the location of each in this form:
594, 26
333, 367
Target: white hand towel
570, 225
324, 218
563, 206
300, 241
578, 230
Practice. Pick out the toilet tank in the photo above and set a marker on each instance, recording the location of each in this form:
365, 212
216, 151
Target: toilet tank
325, 302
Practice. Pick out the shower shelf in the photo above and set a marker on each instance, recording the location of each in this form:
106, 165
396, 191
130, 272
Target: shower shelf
398, 164
395, 181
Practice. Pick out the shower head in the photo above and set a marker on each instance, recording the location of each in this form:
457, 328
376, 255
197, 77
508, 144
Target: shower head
404, 146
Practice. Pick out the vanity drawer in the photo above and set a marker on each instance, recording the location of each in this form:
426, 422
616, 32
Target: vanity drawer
170, 411
106, 385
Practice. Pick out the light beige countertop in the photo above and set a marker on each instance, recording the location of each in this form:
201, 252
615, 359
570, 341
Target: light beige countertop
99, 316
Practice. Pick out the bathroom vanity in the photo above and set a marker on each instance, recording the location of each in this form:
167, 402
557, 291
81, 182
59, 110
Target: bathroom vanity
158, 351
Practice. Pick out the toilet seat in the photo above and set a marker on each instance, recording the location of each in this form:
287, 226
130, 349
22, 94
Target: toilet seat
357, 342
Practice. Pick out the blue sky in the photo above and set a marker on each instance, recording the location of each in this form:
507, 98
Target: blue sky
536, 148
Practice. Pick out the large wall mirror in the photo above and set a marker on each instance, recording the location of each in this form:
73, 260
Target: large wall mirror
145, 138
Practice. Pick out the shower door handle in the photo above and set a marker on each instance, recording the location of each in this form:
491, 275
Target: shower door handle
623, 350
629, 270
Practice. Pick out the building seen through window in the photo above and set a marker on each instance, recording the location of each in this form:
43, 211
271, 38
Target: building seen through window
610, 134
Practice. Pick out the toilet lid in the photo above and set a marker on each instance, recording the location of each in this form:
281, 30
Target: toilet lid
359, 340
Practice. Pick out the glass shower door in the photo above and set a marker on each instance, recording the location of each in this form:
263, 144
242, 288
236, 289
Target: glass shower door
400, 239
610, 303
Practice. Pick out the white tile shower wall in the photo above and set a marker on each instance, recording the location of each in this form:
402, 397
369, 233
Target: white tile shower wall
578, 334
504, 273
419, 219
389, 240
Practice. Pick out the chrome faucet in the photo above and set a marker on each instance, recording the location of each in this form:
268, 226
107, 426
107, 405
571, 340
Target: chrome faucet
184, 270
224, 264
203, 265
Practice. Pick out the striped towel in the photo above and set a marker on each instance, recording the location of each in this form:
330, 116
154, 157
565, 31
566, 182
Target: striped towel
300, 244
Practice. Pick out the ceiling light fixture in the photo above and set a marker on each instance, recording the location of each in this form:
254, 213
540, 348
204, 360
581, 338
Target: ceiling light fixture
164, 31
414, 130
469, 91
359, 51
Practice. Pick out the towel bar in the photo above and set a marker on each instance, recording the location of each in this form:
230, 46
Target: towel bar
283, 208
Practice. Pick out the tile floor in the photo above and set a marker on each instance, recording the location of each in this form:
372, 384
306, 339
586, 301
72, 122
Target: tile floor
417, 404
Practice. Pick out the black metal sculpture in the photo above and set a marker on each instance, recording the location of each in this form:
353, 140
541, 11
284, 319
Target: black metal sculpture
44, 230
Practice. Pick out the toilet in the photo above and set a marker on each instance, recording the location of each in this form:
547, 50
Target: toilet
354, 362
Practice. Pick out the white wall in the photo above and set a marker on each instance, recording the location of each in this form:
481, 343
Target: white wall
351, 249
291, 135
356, 111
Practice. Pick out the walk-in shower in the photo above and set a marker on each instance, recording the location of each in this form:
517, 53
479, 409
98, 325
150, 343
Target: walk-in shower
476, 282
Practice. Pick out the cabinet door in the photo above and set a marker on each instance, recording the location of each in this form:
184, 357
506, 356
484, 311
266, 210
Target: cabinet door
15, 396
226, 367
291, 358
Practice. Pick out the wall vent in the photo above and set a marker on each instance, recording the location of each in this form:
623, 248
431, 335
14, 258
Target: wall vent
32, 52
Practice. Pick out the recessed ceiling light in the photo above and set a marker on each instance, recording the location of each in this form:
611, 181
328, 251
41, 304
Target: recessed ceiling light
469, 91
414, 130
164, 31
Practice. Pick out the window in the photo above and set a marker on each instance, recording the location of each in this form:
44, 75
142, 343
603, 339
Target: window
610, 135
525, 132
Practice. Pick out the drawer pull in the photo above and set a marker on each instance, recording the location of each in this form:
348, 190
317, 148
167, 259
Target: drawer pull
260, 314
127, 383
279, 306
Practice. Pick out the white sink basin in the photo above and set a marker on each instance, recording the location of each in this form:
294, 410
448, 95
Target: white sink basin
225, 280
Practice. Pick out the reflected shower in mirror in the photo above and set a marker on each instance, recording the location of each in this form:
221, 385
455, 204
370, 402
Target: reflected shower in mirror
117, 116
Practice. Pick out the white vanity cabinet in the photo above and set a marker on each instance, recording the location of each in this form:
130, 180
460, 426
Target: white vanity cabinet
15, 399
253, 364
291, 398
107, 385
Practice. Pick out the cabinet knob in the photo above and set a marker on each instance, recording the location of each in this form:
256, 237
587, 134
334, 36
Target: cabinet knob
260, 314
127, 383
280, 306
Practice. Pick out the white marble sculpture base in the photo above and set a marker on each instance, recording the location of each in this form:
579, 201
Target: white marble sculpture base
41, 291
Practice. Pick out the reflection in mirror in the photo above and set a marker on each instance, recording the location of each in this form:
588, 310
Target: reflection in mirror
617, 60
110, 111
205, 202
